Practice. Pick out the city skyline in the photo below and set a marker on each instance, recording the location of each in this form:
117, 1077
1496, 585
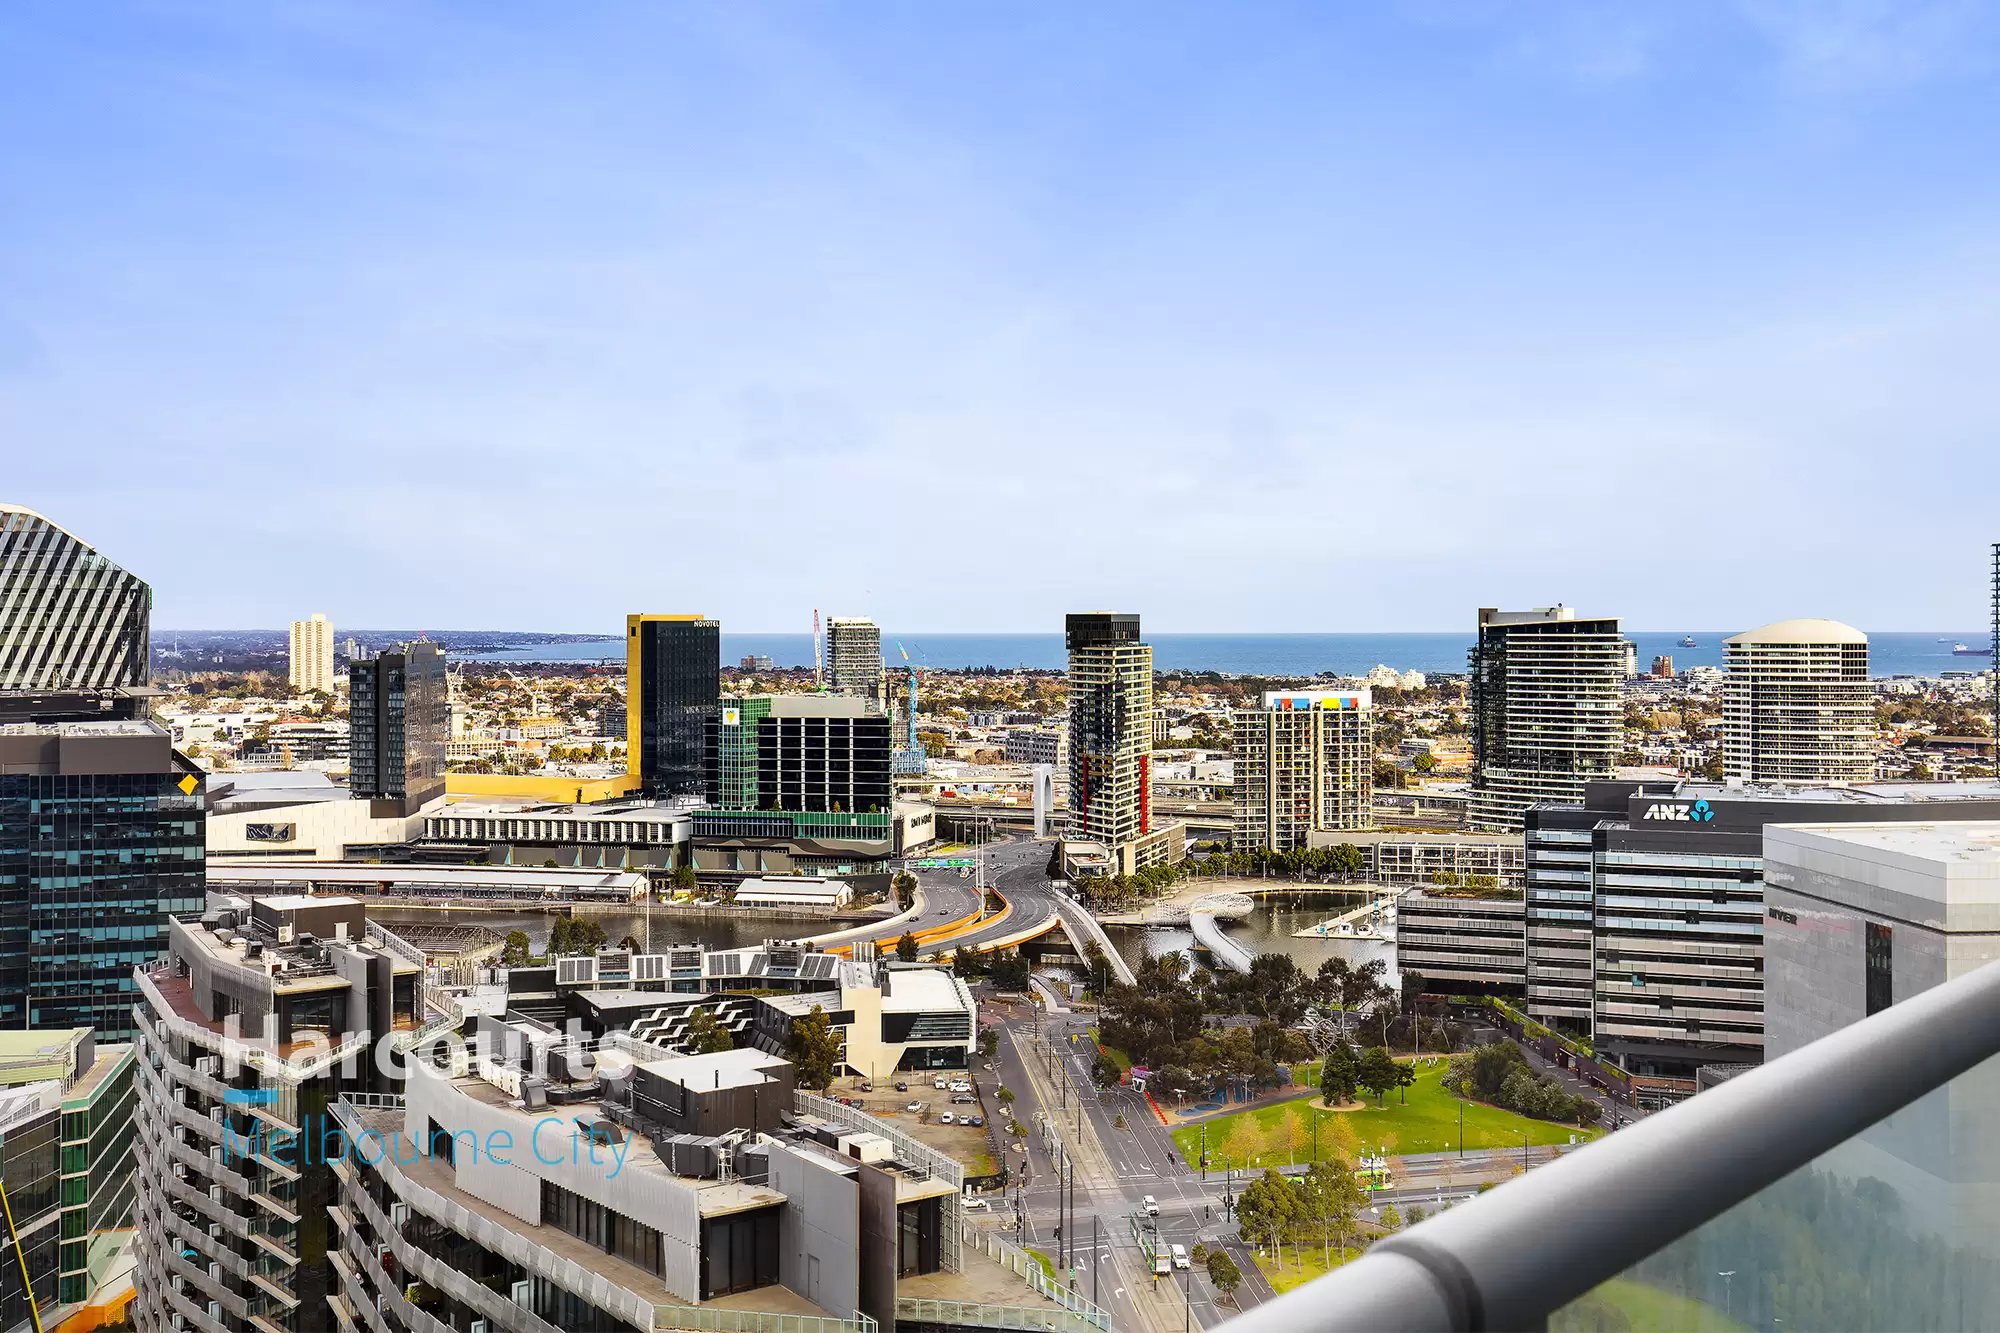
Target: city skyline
1569, 294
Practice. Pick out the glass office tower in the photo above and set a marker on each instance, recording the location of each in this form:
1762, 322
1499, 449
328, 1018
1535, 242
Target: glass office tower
101, 821
101, 840
69, 618
399, 723
673, 686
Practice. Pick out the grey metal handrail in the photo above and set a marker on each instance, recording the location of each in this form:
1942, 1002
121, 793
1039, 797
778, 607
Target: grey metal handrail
1508, 1258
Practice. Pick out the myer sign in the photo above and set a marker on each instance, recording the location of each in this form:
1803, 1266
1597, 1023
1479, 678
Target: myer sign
1680, 811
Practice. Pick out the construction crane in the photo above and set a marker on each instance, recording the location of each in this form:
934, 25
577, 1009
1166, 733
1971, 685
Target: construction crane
909, 758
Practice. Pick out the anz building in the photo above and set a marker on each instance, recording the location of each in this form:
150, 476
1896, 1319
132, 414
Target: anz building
1645, 911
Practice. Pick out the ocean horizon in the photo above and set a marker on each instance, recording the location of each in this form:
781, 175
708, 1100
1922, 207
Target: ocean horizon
1909, 653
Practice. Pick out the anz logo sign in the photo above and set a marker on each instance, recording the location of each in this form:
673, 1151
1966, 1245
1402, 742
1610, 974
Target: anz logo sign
1698, 813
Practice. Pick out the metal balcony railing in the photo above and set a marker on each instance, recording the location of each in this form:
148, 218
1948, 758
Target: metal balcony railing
1854, 1169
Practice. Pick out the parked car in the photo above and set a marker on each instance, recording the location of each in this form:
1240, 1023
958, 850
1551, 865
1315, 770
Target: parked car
938, 1083
973, 1120
945, 1119
915, 1108
960, 1085
902, 1085
867, 1086
962, 1099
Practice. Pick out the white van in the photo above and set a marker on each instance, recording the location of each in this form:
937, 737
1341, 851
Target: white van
1181, 1257
1152, 1208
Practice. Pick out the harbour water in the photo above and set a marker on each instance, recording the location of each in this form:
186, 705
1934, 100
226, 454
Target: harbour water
1268, 929
1890, 654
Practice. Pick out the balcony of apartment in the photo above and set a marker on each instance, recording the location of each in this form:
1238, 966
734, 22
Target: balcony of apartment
1849, 1184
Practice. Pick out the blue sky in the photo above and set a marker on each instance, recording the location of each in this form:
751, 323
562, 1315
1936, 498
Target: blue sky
1246, 317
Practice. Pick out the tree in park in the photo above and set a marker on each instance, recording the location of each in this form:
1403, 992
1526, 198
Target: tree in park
1010, 970
1331, 1197
1378, 1073
683, 879
814, 1050
1340, 1075
705, 1036
514, 952
1405, 1076
1390, 1217
1223, 1273
1269, 1207
906, 948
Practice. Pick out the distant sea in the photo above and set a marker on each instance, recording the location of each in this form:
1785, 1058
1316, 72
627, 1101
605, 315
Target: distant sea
1925, 654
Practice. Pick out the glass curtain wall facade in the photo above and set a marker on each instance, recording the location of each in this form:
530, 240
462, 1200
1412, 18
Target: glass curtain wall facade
30, 1163
399, 719
91, 868
673, 688
1547, 710
69, 618
98, 1185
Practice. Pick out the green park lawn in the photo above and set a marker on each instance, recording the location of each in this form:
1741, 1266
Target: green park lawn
1428, 1122
1636, 1307
1300, 1264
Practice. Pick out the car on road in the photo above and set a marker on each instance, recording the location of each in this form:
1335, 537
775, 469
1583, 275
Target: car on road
1181, 1257
1152, 1206
866, 1086
914, 1108
975, 1205
946, 1118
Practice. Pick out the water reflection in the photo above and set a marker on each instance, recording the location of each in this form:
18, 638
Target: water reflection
1268, 929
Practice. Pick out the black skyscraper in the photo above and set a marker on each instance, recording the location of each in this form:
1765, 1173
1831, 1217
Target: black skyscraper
673, 681
399, 715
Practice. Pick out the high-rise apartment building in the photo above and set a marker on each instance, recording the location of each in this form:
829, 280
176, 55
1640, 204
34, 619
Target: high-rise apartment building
260, 1015
1305, 764
1111, 741
796, 782
69, 618
101, 821
399, 728
1547, 709
673, 686
854, 658
312, 655
1796, 704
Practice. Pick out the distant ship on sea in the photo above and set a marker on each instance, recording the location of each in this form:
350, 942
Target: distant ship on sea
1687, 641
1960, 650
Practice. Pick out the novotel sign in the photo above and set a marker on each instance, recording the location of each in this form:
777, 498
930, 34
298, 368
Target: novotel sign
1680, 812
